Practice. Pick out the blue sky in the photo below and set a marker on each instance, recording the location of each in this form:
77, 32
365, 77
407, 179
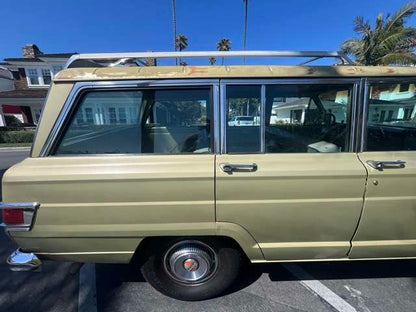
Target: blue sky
116, 26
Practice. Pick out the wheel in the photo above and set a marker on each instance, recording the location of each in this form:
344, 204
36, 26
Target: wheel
192, 269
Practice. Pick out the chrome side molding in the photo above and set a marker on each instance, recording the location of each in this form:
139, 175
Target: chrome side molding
23, 261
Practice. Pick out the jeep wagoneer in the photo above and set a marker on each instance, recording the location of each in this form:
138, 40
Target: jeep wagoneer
192, 169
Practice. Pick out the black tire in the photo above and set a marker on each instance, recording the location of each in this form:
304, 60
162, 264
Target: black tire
157, 272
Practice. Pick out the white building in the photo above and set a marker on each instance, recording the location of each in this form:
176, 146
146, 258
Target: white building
22, 100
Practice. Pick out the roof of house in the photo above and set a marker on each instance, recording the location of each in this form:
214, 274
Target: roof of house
27, 93
240, 71
39, 57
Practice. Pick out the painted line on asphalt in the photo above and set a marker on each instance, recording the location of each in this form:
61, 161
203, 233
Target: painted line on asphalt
87, 292
318, 288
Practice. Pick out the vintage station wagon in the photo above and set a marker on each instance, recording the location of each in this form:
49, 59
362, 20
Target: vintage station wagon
147, 163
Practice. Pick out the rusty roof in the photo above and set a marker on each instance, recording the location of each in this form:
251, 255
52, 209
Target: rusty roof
245, 71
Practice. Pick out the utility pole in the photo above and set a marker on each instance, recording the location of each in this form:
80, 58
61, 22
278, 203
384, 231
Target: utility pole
245, 28
174, 27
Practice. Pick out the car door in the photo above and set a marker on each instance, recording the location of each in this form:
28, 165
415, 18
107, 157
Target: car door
130, 160
388, 223
289, 178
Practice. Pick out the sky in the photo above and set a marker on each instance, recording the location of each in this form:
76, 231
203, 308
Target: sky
125, 26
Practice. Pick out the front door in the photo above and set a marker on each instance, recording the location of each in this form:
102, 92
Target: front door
388, 224
288, 177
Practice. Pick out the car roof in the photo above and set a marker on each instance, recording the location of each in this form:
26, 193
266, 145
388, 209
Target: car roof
233, 71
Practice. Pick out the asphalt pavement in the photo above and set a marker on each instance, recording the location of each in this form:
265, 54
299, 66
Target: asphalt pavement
364, 286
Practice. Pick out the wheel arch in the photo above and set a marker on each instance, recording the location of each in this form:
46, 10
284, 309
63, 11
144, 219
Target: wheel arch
231, 233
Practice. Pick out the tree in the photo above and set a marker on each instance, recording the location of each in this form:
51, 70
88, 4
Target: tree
224, 45
181, 44
212, 60
389, 42
174, 27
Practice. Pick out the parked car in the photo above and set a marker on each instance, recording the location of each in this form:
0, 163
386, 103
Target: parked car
241, 121
143, 167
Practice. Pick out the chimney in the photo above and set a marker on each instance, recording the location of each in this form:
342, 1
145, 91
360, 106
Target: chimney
150, 61
31, 50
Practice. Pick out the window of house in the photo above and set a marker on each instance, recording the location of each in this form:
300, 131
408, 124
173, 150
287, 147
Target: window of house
32, 74
162, 121
122, 116
88, 115
112, 115
46, 76
391, 120
56, 68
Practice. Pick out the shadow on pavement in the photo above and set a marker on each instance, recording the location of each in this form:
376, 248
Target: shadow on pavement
110, 277
52, 288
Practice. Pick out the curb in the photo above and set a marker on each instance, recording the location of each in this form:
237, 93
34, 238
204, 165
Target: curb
15, 148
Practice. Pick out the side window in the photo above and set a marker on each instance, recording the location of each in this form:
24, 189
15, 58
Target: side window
307, 118
163, 121
391, 119
243, 118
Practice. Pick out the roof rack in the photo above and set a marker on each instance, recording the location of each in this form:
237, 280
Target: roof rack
123, 58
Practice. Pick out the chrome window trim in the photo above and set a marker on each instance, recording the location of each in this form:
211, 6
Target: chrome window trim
300, 80
263, 119
82, 86
352, 118
223, 118
366, 102
76, 89
216, 119
364, 112
264, 82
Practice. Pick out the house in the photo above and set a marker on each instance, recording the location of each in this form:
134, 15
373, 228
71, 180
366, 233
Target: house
24, 83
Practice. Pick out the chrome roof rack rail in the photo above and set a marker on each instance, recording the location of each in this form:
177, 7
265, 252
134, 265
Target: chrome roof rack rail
93, 59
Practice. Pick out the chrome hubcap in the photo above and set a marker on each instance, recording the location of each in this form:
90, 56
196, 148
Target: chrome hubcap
190, 262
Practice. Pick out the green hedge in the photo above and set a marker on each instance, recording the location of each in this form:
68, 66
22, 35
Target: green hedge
16, 136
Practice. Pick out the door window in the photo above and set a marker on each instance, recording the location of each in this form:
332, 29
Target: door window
298, 118
243, 119
391, 118
307, 118
164, 121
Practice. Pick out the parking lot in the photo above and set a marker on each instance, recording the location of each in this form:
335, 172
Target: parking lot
336, 286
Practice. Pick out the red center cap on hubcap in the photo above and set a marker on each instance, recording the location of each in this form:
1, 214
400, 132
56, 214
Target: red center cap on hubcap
190, 265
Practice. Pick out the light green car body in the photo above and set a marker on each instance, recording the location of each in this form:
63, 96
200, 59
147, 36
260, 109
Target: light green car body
295, 207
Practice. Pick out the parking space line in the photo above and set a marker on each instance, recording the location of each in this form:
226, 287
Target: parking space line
318, 288
87, 292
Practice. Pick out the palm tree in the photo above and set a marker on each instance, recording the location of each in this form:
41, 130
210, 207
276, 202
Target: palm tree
245, 27
181, 44
224, 45
389, 42
174, 27
212, 60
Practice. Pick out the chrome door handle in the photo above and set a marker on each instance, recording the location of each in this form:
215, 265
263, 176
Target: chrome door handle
229, 168
386, 164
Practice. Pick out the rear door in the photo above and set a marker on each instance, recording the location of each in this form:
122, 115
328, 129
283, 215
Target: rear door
388, 224
290, 178
130, 159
